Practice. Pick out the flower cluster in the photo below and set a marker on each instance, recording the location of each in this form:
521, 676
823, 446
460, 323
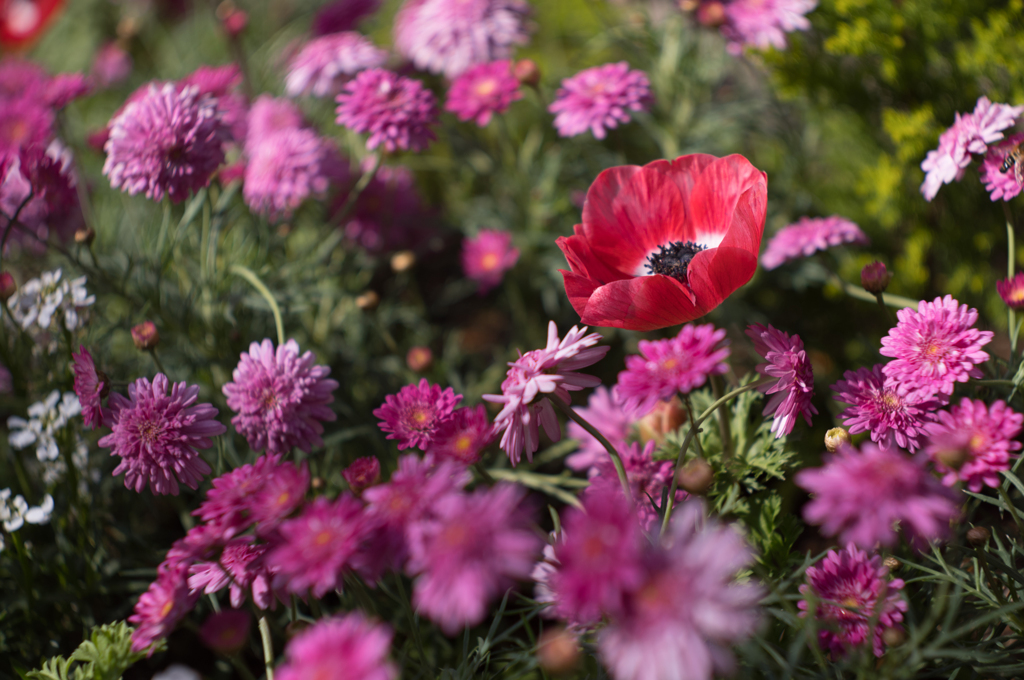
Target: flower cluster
46, 419
15, 512
46, 306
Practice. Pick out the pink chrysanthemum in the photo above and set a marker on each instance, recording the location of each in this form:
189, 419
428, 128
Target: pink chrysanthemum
239, 568
24, 123
281, 397
986, 434
787, 361
269, 115
463, 437
648, 478
1012, 291
486, 258
160, 608
318, 545
158, 435
283, 491
482, 91
363, 473
853, 596
228, 503
342, 648
413, 415
324, 64
169, 141
470, 550
599, 98
809, 235
665, 367
935, 347
861, 496
610, 418
999, 184
396, 111
89, 388
538, 373
450, 36
222, 83
285, 169
894, 415
764, 23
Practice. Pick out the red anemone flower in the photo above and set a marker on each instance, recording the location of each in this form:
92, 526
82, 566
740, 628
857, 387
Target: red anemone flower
22, 21
666, 243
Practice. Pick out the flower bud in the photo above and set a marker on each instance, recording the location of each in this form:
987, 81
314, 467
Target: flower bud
226, 632
419, 359
688, 5
402, 260
836, 438
875, 277
711, 14
85, 236
891, 563
1012, 291
232, 19
894, 637
558, 652
145, 335
696, 477
7, 286
666, 417
978, 536
362, 474
368, 300
527, 72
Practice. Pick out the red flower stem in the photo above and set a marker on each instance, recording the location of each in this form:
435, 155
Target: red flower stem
616, 461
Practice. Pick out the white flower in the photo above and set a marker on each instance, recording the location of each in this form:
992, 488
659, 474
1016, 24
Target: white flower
41, 513
45, 419
40, 305
12, 512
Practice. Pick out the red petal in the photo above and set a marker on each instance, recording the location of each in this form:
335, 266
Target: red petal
644, 303
22, 21
717, 192
748, 221
715, 274
579, 289
685, 171
583, 262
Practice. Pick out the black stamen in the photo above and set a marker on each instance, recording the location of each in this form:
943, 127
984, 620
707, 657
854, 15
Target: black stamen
673, 259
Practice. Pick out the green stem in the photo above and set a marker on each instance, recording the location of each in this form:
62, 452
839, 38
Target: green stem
885, 308
994, 382
249, 276
1011, 508
616, 461
268, 647
1010, 266
156, 360
723, 418
350, 202
887, 299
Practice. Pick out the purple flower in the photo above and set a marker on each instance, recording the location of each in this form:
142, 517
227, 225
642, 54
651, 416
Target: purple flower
548, 371
462, 437
450, 36
280, 397
342, 15
228, 503
396, 111
413, 415
285, 169
610, 418
169, 141
160, 608
89, 388
860, 496
599, 98
226, 632
1012, 291
222, 83
1001, 185
486, 258
853, 596
24, 123
326, 63
158, 435
665, 367
787, 361
987, 434
239, 568
808, 236
482, 91
340, 647
935, 347
764, 23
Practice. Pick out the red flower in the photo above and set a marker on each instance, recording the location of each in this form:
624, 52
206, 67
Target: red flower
22, 21
666, 243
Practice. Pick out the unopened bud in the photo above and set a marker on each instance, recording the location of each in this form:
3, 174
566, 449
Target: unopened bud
688, 5
145, 335
362, 474
875, 278
836, 438
558, 652
419, 359
894, 637
666, 417
527, 72
696, 477
127, 27
231, 18
85, 236
711, 14
368, 300
978, 536
402, 260
317, 483
8, 287
891, 563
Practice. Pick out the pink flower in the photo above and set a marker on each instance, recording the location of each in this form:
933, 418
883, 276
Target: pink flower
665, 367
764, 23
462, 437
267, 116
787, 361
450, 36
599, 98
548, 371
227, 631
241, 568
935, 347
24, 123
470, 550
281, 397
158, 436
324, 64
89, 388
222, 83
111, 66
860, 496
986, 434
808, 236
482, 91
343, 648
282, 492
1001, 185
414, 414
1012, 291
363, 473
396, 111
610, 418
986, 123
228, 503
342, 15
286, 168
853, 596
647, 478
486, 258
160, 608
389, 213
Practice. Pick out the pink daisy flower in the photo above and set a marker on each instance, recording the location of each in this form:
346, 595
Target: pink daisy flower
267, 116
987, 121
362, 474
1012, 291
463, 437
764, 23
611, 419
396, 111
283, 491
787, 361
487, 257
999, 184
538, 373
853, 596
89, 388
168, 141
599, 98
160, 608
158, 435
861, 496
324, 64
470, 550
450, 36
414, 414
344, 648
285, 169
241, 568
665, 367
281, 397
222, 83
111, 66
482, 91
935, 347
894, 415
228, 503
809, 235
986, 434
647, 478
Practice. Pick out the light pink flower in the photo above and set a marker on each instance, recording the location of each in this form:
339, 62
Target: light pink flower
764, 23
487, 257
599, 98
111, 66
414, 414
342, 648
482, 91
809, 235
267, 116
396, 111
999, 184
324, 64
987, 434
285, 169
160, 608
787, 361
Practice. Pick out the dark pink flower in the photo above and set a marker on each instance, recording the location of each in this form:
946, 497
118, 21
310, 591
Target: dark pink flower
342, 15
326, 63
787, 361
89, 388
24, 123
240, 568
413, 415
999, 184
283, 491
764, 23
160, 608
463, 437
610, 418
487, 257
341, 648
362, 474
482, 91
1012, 291
894, 415
228, 503
599, 98
647, 477
388, 214
987, 434
222, 83
809, 235
285, 169
267, 116
226, 631
394, 110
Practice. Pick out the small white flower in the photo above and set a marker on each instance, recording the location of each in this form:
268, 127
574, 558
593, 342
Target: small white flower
45, 419
41, 513
41, 304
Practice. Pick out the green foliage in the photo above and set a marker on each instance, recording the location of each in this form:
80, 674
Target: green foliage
106, 655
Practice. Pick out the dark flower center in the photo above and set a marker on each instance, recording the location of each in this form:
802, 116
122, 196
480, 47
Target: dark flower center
673, 259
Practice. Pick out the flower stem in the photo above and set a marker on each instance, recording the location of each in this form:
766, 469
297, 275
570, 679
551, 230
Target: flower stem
1011, 256
249, 276
268, 647
156, 360
887, 299
723, 418
616, 461
353, 196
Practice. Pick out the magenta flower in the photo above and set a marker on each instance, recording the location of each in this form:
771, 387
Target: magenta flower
168, 141
860, 496
764, 23
89, 389
267, 116
283, 491
450, 36
470, 550
222, 83
809, 235
482, 91
853, 596
787, 361
463, 437
599, 98
999, 184
486, 258
396, 111
610, 418
342, 15
894, 415
24, 123
111, 66
285, 169
363, 473
987, 434
281, 397
158, 436
226, 632
228, 503
241, 568
325, 64
1012, 291
414, 414
160, 608
549, 371
665, 367
340, 647
388, 214
647, 478
935, 347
